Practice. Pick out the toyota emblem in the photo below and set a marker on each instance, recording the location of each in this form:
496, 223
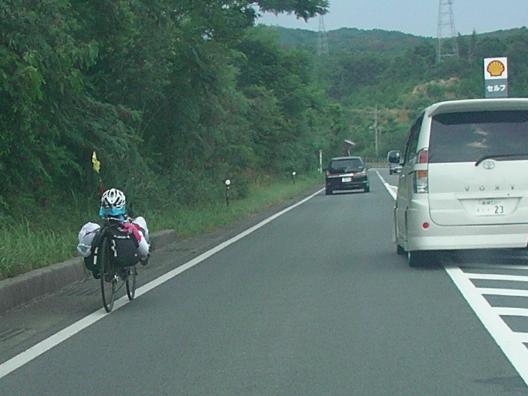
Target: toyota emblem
488, 164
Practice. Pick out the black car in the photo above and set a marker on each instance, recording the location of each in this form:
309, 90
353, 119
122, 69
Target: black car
346, 173
393, 159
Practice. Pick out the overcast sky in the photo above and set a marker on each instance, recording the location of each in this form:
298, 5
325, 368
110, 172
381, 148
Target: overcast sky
419, 17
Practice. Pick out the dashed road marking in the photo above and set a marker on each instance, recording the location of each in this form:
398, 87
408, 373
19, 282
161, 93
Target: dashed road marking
503, 292
506, 311
509, 341
500, 277
494, 266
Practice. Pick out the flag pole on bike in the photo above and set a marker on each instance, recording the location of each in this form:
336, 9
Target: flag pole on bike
96, 165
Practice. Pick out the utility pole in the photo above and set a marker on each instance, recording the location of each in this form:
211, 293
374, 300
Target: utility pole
376, 132
322, 38
447, 44
374, 127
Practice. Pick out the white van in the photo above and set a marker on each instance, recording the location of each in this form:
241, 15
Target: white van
464, 179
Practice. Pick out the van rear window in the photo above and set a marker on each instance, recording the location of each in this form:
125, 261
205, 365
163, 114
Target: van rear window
467, 137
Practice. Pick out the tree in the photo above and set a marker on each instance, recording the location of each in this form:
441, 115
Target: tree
304, 9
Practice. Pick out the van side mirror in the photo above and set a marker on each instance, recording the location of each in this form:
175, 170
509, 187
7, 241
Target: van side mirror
394, 157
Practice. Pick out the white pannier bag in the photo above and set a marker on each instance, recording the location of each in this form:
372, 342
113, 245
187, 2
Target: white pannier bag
86, 236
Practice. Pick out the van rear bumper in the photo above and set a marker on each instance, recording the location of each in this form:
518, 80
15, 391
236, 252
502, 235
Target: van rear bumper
496, 241
437, 237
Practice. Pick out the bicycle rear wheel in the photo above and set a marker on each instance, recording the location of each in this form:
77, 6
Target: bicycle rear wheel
131, 282
107, 272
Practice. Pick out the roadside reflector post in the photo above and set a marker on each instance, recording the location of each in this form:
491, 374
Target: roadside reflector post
227, 184
293, 176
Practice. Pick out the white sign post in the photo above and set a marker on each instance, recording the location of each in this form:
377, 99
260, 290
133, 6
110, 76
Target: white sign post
496, 77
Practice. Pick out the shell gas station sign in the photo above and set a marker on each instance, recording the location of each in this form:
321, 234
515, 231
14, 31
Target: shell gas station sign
496, 77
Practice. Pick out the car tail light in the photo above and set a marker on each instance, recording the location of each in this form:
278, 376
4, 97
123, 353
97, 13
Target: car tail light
421, 176
423, 156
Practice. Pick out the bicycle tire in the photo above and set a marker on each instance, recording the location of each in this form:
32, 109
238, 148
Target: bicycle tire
107, 273
131, 283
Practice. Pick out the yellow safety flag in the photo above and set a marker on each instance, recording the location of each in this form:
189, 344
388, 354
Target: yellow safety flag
96, 165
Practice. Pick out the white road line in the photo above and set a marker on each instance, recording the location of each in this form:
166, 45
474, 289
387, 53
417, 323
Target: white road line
507, 311
510, 345
499, 277
502, 292
56, 339
521, 337
390, 188
494, 266
515, 352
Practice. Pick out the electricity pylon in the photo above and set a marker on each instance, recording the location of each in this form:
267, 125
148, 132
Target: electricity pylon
447, 44
322, 38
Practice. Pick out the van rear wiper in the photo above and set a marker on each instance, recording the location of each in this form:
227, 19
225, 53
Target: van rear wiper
492, 156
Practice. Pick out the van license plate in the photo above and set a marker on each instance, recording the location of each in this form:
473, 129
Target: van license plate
346, 179
490, 207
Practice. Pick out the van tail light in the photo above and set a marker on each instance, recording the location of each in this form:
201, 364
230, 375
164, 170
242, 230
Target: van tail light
421, 176
422, 157
327, 173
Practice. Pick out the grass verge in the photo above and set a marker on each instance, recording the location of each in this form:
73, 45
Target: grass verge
27, 246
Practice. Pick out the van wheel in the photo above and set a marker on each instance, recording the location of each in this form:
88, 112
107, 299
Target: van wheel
400, 251
328, 192
366, 189
417, 258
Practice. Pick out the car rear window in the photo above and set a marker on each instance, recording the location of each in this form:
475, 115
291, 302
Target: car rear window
346, 165
467, 137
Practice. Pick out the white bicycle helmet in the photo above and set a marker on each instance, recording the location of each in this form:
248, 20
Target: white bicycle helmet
113, 199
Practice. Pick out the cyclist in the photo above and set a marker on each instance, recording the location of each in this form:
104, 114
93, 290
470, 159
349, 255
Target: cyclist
113, 205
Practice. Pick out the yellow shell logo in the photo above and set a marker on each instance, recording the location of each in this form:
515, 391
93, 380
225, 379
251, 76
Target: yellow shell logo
496, 68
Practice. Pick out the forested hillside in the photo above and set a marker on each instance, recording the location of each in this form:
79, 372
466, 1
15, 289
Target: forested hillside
350, 40
399, 74
174, 96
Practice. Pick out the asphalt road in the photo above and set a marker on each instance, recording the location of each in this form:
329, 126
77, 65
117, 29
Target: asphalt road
314, 303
